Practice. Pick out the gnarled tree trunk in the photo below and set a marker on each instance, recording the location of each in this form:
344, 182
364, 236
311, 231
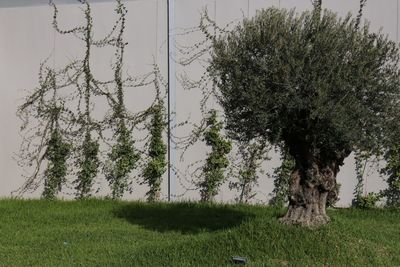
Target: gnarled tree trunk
311, 183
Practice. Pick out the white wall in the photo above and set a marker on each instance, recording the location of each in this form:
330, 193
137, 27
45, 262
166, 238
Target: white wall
27, 38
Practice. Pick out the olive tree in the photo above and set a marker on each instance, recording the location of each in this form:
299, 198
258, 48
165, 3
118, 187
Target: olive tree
315, 83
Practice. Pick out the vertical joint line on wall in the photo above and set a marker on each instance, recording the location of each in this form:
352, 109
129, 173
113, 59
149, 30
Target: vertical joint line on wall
215, 12
169, 103
171, 94
215, 35
248, 8
54, 49
156, 48
397, 22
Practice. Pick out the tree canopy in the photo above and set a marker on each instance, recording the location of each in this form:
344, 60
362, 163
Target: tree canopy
314, 83
321, 82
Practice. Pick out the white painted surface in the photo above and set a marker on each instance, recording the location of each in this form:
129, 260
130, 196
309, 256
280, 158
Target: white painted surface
27, 38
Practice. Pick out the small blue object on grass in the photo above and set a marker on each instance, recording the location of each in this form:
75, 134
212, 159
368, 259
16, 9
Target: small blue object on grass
239, 260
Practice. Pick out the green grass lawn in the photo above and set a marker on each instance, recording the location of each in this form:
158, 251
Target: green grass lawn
106, 233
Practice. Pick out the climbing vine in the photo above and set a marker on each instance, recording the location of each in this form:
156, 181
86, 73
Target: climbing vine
361, 161
281, 176
245, 164
45, 132
217, 161
123, 157
363, 3
252, 155
88, 167
56, 134
157, 164
85, 84
56, 154
392, 171
361, 199
78, 135
206, 174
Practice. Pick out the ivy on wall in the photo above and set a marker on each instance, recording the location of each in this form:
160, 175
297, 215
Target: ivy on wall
251, 155
45, 110
123, 157
361, 161
45, 145
157, 151
281, 176
87, 160
217, 161
79, 136
56, 154
392, 171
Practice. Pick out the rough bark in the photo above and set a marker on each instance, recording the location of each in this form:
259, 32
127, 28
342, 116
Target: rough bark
311, 183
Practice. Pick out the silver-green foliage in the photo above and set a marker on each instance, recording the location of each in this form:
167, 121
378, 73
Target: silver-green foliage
323, 87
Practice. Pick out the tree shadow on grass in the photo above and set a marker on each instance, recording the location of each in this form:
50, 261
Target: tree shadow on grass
186, 218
